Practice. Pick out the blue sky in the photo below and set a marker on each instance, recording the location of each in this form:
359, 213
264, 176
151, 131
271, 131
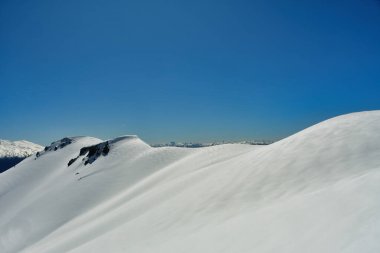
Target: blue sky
184, 70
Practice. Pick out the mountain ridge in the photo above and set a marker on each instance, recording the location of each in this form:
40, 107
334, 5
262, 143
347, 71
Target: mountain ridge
312, 191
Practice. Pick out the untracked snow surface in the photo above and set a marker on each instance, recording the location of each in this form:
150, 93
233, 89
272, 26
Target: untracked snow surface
315, 191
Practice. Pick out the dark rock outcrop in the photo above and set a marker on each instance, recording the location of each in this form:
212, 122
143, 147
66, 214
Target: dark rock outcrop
92, 153
54, 146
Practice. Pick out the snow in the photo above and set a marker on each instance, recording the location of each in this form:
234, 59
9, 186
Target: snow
18, 148
13, 152
315, 191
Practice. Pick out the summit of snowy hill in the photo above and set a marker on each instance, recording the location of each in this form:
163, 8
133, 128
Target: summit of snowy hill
18, 148
315, 191
93, 152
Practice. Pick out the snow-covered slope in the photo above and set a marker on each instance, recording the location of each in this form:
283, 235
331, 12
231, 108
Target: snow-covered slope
12, 152
315, 191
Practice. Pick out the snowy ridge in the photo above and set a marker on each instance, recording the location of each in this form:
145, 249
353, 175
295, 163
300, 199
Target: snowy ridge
315, 191
18, 148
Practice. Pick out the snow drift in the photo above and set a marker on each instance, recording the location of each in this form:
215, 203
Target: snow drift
315, 191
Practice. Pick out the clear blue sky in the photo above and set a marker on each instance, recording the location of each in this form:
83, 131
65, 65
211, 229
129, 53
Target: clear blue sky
184, 70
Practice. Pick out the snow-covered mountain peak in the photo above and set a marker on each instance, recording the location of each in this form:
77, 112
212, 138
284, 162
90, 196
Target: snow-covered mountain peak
18, 148
127, 140
124, 138
333, 129
127, 143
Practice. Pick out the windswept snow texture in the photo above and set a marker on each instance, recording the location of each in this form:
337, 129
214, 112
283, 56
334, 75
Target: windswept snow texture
13, 152
316, 191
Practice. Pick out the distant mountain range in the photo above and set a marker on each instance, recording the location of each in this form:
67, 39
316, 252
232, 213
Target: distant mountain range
209, 144
13, 152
